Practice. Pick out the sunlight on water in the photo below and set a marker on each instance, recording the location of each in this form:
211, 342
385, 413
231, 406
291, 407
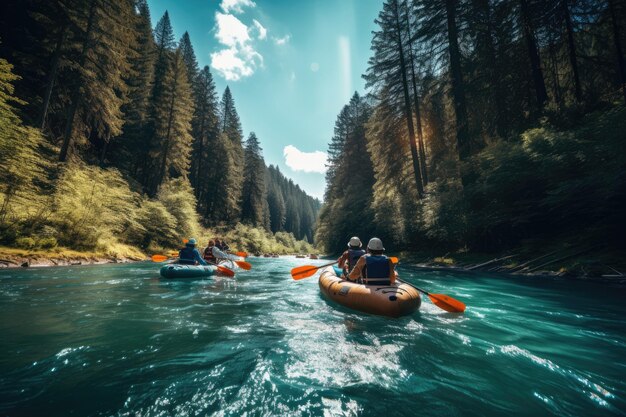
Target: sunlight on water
118, 340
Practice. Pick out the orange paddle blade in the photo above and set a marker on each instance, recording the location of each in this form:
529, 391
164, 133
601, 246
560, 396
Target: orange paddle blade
244, 265
185, 241
225, 271
159, 258
393, 259
447, 303
304, 271
242, 254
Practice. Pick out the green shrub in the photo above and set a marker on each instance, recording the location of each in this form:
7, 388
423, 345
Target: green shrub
47, 243
25, 242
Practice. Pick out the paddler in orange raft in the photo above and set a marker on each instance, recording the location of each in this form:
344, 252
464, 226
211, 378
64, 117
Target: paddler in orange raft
373, 268
349, 258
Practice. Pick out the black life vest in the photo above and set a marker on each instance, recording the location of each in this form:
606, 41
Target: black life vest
208, 255
376, 270
353, 257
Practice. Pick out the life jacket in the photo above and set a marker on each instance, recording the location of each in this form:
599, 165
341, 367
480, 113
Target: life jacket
353, 257
208, 255
186, 256
376, 270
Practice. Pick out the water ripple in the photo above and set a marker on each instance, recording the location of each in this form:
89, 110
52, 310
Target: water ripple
116, 340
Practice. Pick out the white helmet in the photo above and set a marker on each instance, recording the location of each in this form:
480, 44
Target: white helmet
375, 244
355, 242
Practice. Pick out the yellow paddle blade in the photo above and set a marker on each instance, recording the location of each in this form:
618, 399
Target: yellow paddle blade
159, 258
304, 271
447, 303
242, 254
225, 271
244, 265
393, 259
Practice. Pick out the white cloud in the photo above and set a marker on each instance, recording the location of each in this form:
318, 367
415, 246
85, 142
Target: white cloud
230, 65
260, 28
230, 31
315, 67
236, 6
305, 161
238, 58
283, 40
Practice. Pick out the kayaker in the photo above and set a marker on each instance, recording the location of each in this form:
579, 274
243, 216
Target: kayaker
208, 253
213, 254
349, 258
374, 268
225, 246
189, 255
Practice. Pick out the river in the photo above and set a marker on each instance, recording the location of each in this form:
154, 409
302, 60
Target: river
116, 340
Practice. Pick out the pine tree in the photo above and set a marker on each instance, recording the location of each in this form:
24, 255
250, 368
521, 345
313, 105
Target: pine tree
20, 161
99, 88
164, 48
206, 134
348, 211
134, 141
254, 202
171, 144
189, 56
231, 182
275, 201
388, 67
526, 17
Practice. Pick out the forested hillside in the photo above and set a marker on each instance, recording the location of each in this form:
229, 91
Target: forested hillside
111, 135
486, 125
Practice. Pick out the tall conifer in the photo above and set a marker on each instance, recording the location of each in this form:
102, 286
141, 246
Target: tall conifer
253, 202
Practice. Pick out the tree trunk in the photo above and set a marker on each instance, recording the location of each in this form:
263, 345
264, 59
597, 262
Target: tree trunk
418, 116
458, 88
618, 47
555, 76
407, 107
52, 75
533, 54
572, 50
492, 70
170, 120
103, 152
76, 96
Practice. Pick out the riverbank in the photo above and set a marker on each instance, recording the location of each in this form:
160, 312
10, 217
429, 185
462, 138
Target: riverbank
580, 261
16, 258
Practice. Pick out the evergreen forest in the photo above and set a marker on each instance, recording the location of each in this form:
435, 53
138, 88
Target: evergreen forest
113, 138
487, 126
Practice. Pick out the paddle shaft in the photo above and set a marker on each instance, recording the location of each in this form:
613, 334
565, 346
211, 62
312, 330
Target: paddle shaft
322, 266
411, 285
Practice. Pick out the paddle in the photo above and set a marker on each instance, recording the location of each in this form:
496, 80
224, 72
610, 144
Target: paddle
227, 272
443, 301
243, 265
242, 254
306, 271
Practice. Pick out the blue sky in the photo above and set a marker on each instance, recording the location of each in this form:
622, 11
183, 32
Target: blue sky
291, 66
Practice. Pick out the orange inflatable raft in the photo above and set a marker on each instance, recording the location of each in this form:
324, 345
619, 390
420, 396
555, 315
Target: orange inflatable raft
387, 300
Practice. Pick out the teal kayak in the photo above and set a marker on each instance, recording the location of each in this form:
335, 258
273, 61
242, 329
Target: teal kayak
187, 271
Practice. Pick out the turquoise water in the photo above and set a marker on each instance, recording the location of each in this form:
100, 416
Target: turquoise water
116, 340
